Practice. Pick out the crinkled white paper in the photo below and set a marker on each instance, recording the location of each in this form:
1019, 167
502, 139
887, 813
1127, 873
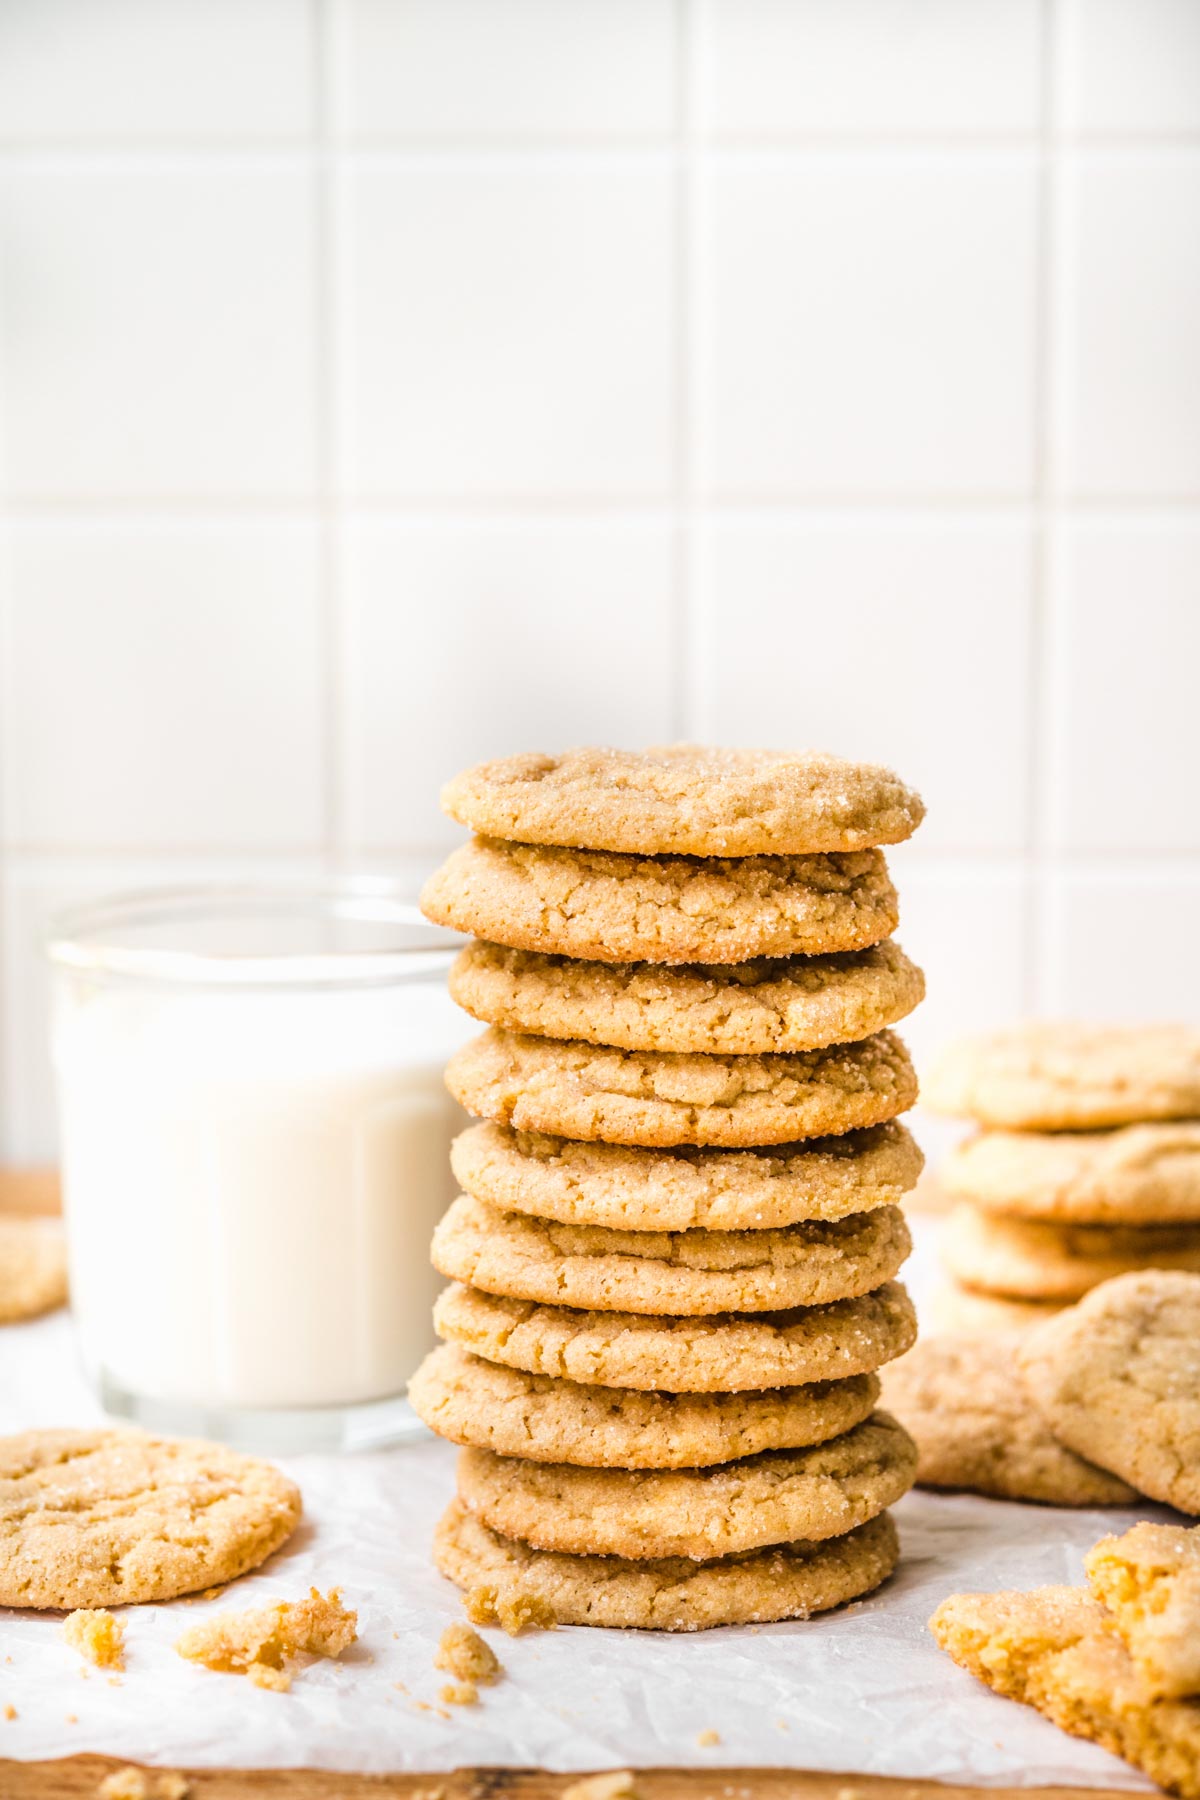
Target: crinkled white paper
863, 1690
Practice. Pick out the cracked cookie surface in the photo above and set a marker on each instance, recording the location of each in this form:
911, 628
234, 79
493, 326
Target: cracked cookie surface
1035, 1260
1129, 1175
657, 1099
602, 907
1070, 1077
772, 1498
722, 1353
109, 1518
686, 798
33, 1268
1149, 1579
549, 1420
683, 1273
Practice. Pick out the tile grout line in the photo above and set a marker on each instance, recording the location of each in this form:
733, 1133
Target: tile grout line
682, 609
325, 402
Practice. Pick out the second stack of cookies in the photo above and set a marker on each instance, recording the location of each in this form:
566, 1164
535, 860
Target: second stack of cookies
673, 1259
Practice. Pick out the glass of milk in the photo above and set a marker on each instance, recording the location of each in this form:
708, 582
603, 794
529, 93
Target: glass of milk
255, 1136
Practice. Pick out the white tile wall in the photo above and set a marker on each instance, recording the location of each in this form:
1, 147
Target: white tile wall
387, 383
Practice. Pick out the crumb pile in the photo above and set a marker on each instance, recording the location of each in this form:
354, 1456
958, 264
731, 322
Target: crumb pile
672, 1264
261, 1642
1086, 1165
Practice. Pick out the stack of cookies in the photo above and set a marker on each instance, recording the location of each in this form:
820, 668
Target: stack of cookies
673, 1259
1087, 1165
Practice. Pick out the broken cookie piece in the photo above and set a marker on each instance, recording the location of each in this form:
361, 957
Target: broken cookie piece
1149, 1579
260, 1642
97, 1636
509, 1607
463, 1653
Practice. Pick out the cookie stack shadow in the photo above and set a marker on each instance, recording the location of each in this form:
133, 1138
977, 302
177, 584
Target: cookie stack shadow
672, 1264
1085, 1166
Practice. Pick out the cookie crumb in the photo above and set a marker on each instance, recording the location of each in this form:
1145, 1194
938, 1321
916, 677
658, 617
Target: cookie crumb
707, 1738
10, 1711
71, 1718
850, 1793
459, 1693
131, 1784
462, 1652
96, 1635
612, 1784
259, 1642
509, 1607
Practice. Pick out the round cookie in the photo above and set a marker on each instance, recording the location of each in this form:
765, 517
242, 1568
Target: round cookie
1070, 1077
1025, 1258
656, 1099
679, 1189
789, 1581
687, 798
548, 1420
1132, 1175
33, 1268
955, 1309
619, 909
773, 1498
1118, 1380
977, 1428
684, 1274
727, 1353
115, 1518
757, 1008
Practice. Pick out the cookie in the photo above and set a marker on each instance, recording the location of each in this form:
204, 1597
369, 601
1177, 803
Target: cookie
1054, 1650
1118, 1380
757, 1008
1027, 1258
1130, 1175
656, 1099
1149, 1579
679, 1189
111, 1518
977, 1429
684, 1274
727, 1353
547, 1420
789, 1581
773, 1498
952, 1308
1070, 1077
687, 798
619, 909
33, 1268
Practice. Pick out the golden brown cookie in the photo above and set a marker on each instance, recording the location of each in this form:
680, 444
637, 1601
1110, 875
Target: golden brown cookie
1054, 1650
957, 1309
548, 1420
1117, 1379
977, 1429
664, 909
33, 1268
789, 1581
772, 1498
1131, 1175
679, 1189
653, 1098
725, 1353
687, 798
685, 1273
1070, 1077
109, 1518
1149, 1579
757, 1008
1028, 1259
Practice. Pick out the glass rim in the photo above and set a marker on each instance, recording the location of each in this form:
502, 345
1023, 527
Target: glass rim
86, 938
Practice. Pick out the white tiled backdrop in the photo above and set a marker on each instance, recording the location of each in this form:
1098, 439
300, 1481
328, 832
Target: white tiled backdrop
390, 383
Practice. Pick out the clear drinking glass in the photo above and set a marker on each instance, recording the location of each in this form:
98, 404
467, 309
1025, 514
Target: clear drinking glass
255, 1135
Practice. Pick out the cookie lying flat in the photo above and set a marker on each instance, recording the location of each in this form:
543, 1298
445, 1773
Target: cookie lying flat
679, 1189
789, 1581
684, 1273
773, 1498
1149, 1579
1053, 1649
728, 1353
656, 1099
977, 1429
687, 798
111, 1518
1118, 1379
547, 1420
1025, 1257
960, 1310
33, 1268
1133, 1175
754, 1008
618, 909
1068, 1077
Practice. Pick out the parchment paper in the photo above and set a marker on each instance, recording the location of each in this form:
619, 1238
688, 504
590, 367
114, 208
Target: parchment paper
864, 1689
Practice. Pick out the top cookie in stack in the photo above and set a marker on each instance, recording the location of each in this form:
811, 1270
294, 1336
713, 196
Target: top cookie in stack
673, 1260
1087, 1166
